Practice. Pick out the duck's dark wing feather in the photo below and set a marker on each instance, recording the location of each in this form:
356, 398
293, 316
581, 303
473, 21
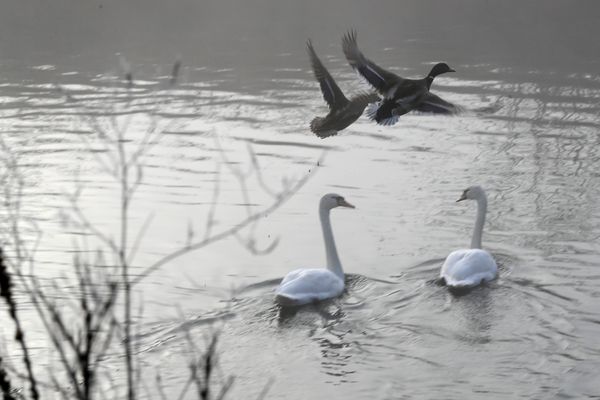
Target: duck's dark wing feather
332, 94
407, 90
378, 77
365, 98
435, 104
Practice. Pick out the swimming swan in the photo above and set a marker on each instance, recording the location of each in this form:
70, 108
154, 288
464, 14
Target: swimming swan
308, 285
466, 268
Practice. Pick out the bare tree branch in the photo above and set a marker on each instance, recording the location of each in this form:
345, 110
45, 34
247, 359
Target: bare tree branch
227, 232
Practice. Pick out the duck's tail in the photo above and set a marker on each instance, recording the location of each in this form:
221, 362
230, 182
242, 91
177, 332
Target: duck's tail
316, 127
382, 112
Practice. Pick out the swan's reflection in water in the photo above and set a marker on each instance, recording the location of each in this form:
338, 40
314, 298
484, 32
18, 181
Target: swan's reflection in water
476, 314
327, 327
289, 316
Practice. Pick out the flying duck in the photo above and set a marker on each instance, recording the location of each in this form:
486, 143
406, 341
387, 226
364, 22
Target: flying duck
400, 95
342, 112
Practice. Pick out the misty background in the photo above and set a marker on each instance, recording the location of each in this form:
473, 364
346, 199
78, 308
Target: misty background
256, 35
528, 81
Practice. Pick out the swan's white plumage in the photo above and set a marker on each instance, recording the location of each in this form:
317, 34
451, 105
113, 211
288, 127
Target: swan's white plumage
468, 267
307, 285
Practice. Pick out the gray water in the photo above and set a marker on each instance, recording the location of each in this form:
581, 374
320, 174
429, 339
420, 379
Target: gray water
528, 83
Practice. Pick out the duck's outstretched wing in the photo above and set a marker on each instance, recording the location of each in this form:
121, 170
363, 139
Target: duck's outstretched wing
365, 98
434, 104
378, 77
332, 94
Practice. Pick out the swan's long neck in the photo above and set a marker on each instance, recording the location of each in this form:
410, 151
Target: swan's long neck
478, 231
333, 261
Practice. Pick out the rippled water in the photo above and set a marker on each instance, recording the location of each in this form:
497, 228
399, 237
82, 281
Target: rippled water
529, 136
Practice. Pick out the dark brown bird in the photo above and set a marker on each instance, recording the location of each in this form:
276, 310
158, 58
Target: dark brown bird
342, 112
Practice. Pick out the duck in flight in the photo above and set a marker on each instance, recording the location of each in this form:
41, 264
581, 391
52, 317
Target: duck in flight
342, 112
400, 95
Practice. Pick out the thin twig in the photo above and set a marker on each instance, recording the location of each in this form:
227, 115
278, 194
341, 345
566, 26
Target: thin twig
227, 232
5, 386
6, 292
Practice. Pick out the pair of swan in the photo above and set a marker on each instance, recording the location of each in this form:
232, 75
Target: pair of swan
400, 95
462, 269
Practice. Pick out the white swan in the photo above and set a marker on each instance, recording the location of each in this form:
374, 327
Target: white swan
466, 268
309, 285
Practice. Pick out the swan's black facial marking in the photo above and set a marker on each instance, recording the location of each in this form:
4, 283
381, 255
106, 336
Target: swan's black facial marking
341, 202
463, 196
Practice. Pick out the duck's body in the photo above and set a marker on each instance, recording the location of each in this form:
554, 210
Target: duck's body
308, 285
342, 111
340, 118
400, 95
467, 268
404, 96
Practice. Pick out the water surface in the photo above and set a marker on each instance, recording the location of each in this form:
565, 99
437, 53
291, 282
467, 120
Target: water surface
528, 134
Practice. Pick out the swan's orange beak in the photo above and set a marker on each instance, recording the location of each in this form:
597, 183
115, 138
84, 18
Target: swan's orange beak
344, 203
462, 197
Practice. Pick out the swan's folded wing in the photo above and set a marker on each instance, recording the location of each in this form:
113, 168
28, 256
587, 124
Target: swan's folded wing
378, 77
332, 94
451, 261
310, 285
468, 267
291, 276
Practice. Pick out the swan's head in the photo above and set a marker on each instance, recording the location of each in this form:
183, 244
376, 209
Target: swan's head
332, 200
472, 193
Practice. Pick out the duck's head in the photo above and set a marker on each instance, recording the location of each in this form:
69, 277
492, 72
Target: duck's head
332, 200
472, 193
440, 68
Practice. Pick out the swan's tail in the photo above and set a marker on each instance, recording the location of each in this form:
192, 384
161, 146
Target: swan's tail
460, 290
286, 301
